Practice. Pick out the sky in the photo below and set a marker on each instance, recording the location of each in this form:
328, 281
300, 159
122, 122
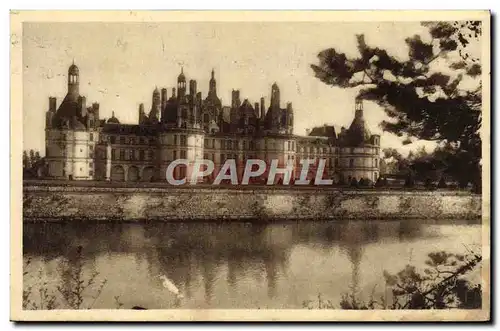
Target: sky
122, 63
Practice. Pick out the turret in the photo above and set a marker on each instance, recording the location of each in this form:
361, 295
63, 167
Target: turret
358, 108
275, 96
212, 88
73, 82
181, 84
155, 106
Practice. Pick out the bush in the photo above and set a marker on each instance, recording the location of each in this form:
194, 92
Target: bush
381, 182
442, 183
409, 181
429, 184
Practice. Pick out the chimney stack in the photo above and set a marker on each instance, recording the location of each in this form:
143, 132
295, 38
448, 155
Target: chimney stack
262, 108
52, 104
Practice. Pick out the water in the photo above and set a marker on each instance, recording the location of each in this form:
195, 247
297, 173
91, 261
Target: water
235, 265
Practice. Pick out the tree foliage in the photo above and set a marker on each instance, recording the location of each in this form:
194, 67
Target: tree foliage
422, 95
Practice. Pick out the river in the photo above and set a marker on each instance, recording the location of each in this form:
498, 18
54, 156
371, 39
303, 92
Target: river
233, 265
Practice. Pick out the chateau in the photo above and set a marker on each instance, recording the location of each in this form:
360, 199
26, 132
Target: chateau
82, 146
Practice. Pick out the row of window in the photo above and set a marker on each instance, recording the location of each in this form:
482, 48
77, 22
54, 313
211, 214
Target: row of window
130, 140
130, 155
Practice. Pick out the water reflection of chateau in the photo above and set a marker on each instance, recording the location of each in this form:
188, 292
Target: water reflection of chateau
201, 258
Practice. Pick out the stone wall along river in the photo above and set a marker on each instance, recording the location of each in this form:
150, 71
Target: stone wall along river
264, 204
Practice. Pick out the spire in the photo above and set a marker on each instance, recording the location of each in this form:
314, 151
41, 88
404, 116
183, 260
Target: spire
212, 88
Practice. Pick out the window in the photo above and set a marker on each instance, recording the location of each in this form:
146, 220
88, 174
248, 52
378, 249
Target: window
229, 144
127, 155
183, 140
205, 156
376, 163
91, 136
222, 158
175, 139
122, 140
212, 157
81, 150
183, 154
244, 144
91, 155
289, 145
141, 155
205, 143
122, 154
91, 164
336, 162
222, 144
351, 163
113, 139
91, 173
175, 155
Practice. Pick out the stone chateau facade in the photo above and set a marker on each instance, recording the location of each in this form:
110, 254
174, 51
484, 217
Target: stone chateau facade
184, 125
